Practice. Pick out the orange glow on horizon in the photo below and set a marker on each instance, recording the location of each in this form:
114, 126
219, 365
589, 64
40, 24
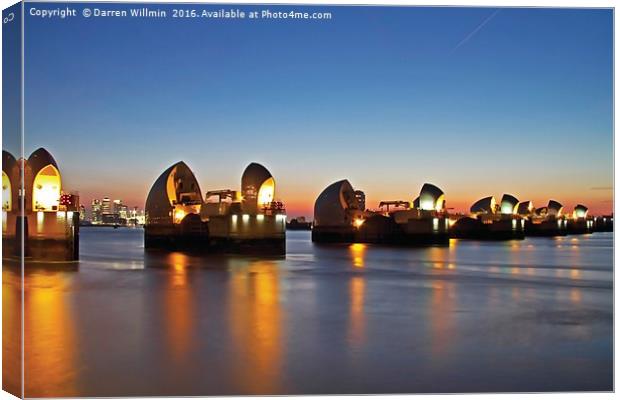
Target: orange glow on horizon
299, 199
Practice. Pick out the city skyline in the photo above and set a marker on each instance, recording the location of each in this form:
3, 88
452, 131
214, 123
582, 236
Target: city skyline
479, 101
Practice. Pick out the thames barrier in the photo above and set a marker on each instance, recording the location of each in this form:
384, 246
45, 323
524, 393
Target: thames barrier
252, 219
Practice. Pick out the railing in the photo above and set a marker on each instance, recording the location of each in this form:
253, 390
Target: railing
275, 207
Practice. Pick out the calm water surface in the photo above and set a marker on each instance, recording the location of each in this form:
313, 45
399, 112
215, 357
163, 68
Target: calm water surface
532, 315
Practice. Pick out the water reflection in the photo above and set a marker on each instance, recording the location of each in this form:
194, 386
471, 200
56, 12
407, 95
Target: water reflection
179, 308
256, 326
442, 318
11, 330
209, 325
358, 251
575, 295
357, 318
50, 338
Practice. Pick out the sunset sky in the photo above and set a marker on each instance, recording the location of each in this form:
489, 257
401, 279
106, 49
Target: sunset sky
477, 101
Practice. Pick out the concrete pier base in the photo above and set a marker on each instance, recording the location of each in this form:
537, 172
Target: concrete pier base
580, 227
546, 228
470, 228
329, 234
275, 247
604, 224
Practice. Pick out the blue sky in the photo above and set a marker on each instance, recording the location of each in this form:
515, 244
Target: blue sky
476, 100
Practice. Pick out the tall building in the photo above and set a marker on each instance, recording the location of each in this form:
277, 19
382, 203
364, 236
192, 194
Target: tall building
82, 213
106, 206
96, 217
136, 216
120, 211
107, 212
361, 199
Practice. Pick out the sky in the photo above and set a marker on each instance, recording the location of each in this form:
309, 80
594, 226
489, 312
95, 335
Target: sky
478, 101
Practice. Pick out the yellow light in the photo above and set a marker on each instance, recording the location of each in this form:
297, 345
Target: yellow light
260, 217
40, 217
427, 204
46, 189
358, 222
357, 252
267, 191
6, 192
245, 218
178, 216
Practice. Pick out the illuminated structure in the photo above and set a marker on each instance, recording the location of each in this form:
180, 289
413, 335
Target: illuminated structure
244, 221
489, 220
172, 212
248, 221
258, 189
10, 204
361, 199
545, 221
339, 217
604, 223
427, 221
50, 216
580, 223
337, 214
525, 208
95, 208
431, 198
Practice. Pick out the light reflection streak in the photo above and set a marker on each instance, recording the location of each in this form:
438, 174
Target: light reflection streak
179, 308
358, 253
357, 320
49, 327
442, 317
11, 332
256, 326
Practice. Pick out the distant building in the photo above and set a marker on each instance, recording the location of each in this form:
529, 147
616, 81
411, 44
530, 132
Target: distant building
82, 213
107, 212
96, 212
120, 212
136, 217
106, 206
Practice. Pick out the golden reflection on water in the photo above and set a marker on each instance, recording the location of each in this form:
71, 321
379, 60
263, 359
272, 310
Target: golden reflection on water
575, 295
11, 332
179, 262
358, 253
442, 317
357, 318
256, 326
179, 308
50, 339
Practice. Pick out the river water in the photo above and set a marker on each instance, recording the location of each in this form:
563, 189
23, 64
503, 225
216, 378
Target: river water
531, 315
